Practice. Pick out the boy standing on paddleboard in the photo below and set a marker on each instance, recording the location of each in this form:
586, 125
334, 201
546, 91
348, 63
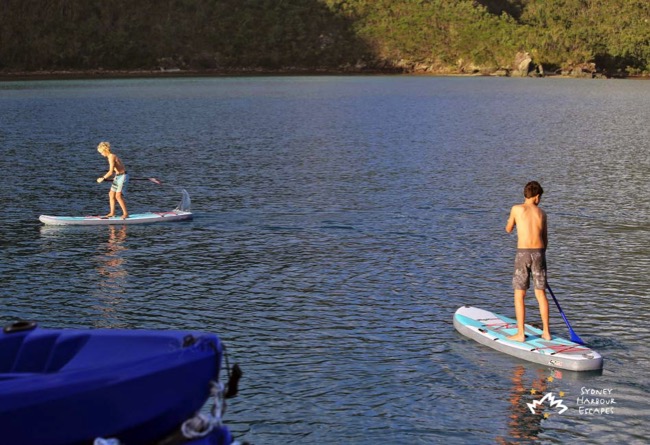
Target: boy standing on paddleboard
118, 188
532, 240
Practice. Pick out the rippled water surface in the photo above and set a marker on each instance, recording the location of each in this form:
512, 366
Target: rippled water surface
339, 223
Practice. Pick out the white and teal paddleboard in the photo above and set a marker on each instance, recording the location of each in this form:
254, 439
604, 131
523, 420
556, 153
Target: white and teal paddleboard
493, 330
180, 213
137, 218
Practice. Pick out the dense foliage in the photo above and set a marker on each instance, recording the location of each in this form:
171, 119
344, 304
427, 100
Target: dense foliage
432, 35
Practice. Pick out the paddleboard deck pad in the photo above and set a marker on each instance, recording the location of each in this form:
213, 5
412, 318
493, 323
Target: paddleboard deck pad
493, 330
138, 218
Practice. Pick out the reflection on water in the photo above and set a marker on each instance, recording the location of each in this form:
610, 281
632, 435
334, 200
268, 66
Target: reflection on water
523, 425
111, 285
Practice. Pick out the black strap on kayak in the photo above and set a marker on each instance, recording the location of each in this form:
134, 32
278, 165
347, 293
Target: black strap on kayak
232, 387
20, 326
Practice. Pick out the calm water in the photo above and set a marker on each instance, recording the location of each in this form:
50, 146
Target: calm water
340, 222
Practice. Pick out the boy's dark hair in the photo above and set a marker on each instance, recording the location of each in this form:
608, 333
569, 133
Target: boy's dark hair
533, 189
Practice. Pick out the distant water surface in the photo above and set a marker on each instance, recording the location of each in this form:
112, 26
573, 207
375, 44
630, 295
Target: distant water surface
340, 222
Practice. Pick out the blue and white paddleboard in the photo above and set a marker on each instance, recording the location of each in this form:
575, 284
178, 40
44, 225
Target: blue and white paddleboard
493, 330
180, 213
137, 218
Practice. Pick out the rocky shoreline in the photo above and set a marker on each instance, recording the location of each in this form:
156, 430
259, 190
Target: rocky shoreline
405, 69
117, 74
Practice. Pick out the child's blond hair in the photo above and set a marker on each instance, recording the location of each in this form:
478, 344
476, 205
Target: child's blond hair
104, 147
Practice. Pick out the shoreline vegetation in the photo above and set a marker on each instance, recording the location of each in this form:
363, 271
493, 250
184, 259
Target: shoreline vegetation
153, 38
252, 72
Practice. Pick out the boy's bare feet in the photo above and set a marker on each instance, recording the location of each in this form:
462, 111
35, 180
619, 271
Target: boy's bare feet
546, 336
110, 215
126, 215
517, 337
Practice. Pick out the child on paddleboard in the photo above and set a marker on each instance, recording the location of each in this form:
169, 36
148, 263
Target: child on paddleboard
118, 188
532, 240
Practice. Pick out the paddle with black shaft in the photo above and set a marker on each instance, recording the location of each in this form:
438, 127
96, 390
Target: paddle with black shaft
154, 180
574, 337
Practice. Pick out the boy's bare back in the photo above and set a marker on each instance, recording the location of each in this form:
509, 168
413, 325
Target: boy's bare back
530, 221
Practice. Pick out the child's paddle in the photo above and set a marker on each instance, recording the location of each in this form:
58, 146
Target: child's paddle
154, 180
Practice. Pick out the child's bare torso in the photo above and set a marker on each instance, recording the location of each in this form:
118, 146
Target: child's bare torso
530, 221
116, 163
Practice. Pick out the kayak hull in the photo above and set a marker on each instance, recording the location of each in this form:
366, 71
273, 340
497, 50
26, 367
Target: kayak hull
492, 330
66, 387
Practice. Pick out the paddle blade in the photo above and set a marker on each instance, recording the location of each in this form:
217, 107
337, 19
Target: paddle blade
575, 338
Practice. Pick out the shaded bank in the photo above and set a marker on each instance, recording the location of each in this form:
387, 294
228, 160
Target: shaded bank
505, 37
59, 35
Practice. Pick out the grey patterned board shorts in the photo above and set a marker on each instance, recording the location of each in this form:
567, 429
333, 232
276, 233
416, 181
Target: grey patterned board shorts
527, 262
119, 183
